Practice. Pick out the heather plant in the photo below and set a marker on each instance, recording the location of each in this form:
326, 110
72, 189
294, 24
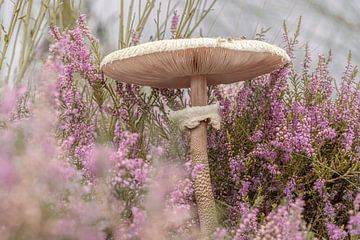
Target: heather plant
92, 138
290, 135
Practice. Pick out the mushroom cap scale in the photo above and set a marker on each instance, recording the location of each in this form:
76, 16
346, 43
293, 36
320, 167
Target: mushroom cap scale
171, 63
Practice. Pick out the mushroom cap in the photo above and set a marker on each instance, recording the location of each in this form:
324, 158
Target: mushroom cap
171, 63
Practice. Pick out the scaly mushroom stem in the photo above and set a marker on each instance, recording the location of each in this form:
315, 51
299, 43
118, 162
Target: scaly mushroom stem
202, 185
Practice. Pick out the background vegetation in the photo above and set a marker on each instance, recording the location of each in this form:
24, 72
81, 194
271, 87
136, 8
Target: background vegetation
85, 157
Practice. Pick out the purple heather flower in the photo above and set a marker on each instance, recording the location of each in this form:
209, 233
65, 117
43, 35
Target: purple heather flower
82, 23
319, 186
196, 170
236, 165
219, 234
264, 151
241, 100
354, 225
329, 210
285, 223
138, 221
347, 110
357, 202
248, 225
354, 222
320, 82
273, 169
357, 149
182, 195
135, 38
296, 137
127, 172
257, 136
289, 189
306, 63
187, 166
245, 186
335, 232
174, 24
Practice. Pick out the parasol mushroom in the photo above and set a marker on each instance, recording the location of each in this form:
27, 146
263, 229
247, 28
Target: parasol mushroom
195, 63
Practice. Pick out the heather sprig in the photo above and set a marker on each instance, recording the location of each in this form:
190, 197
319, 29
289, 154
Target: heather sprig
70, 56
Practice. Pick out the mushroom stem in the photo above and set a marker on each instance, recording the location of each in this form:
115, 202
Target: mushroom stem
202, 184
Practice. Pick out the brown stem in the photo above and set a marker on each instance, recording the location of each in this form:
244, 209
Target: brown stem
203, 192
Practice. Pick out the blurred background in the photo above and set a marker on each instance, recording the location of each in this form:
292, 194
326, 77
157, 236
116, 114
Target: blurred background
325, 25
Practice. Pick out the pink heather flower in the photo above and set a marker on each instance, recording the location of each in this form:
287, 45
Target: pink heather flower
196, 170
273, 169
174, 24
236, 165
320, 82
346, 108
357, 202
296, 136
248, 225
219, 234
354, 222
319, 186
354, 225
138, 221
348, 196
321, 117
55, 33
180, 198
283, 224
264, 151
357, 149
244, 190
334, 232
348, 137
227, 104
306, 63
241, 100
131, 97
128, 172
135, 38
82, 23
187, 166
329, 210
289, 189
182, 195
257, 136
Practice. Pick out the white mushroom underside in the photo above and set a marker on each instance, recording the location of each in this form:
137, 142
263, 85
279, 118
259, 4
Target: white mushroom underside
172, 63
182, 44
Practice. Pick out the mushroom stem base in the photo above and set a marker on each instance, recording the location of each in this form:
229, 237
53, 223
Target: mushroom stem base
202, 184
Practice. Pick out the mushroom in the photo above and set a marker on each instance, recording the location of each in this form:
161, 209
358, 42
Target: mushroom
195, 63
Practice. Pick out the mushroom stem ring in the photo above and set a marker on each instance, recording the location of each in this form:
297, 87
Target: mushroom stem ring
191, 117
195, 63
